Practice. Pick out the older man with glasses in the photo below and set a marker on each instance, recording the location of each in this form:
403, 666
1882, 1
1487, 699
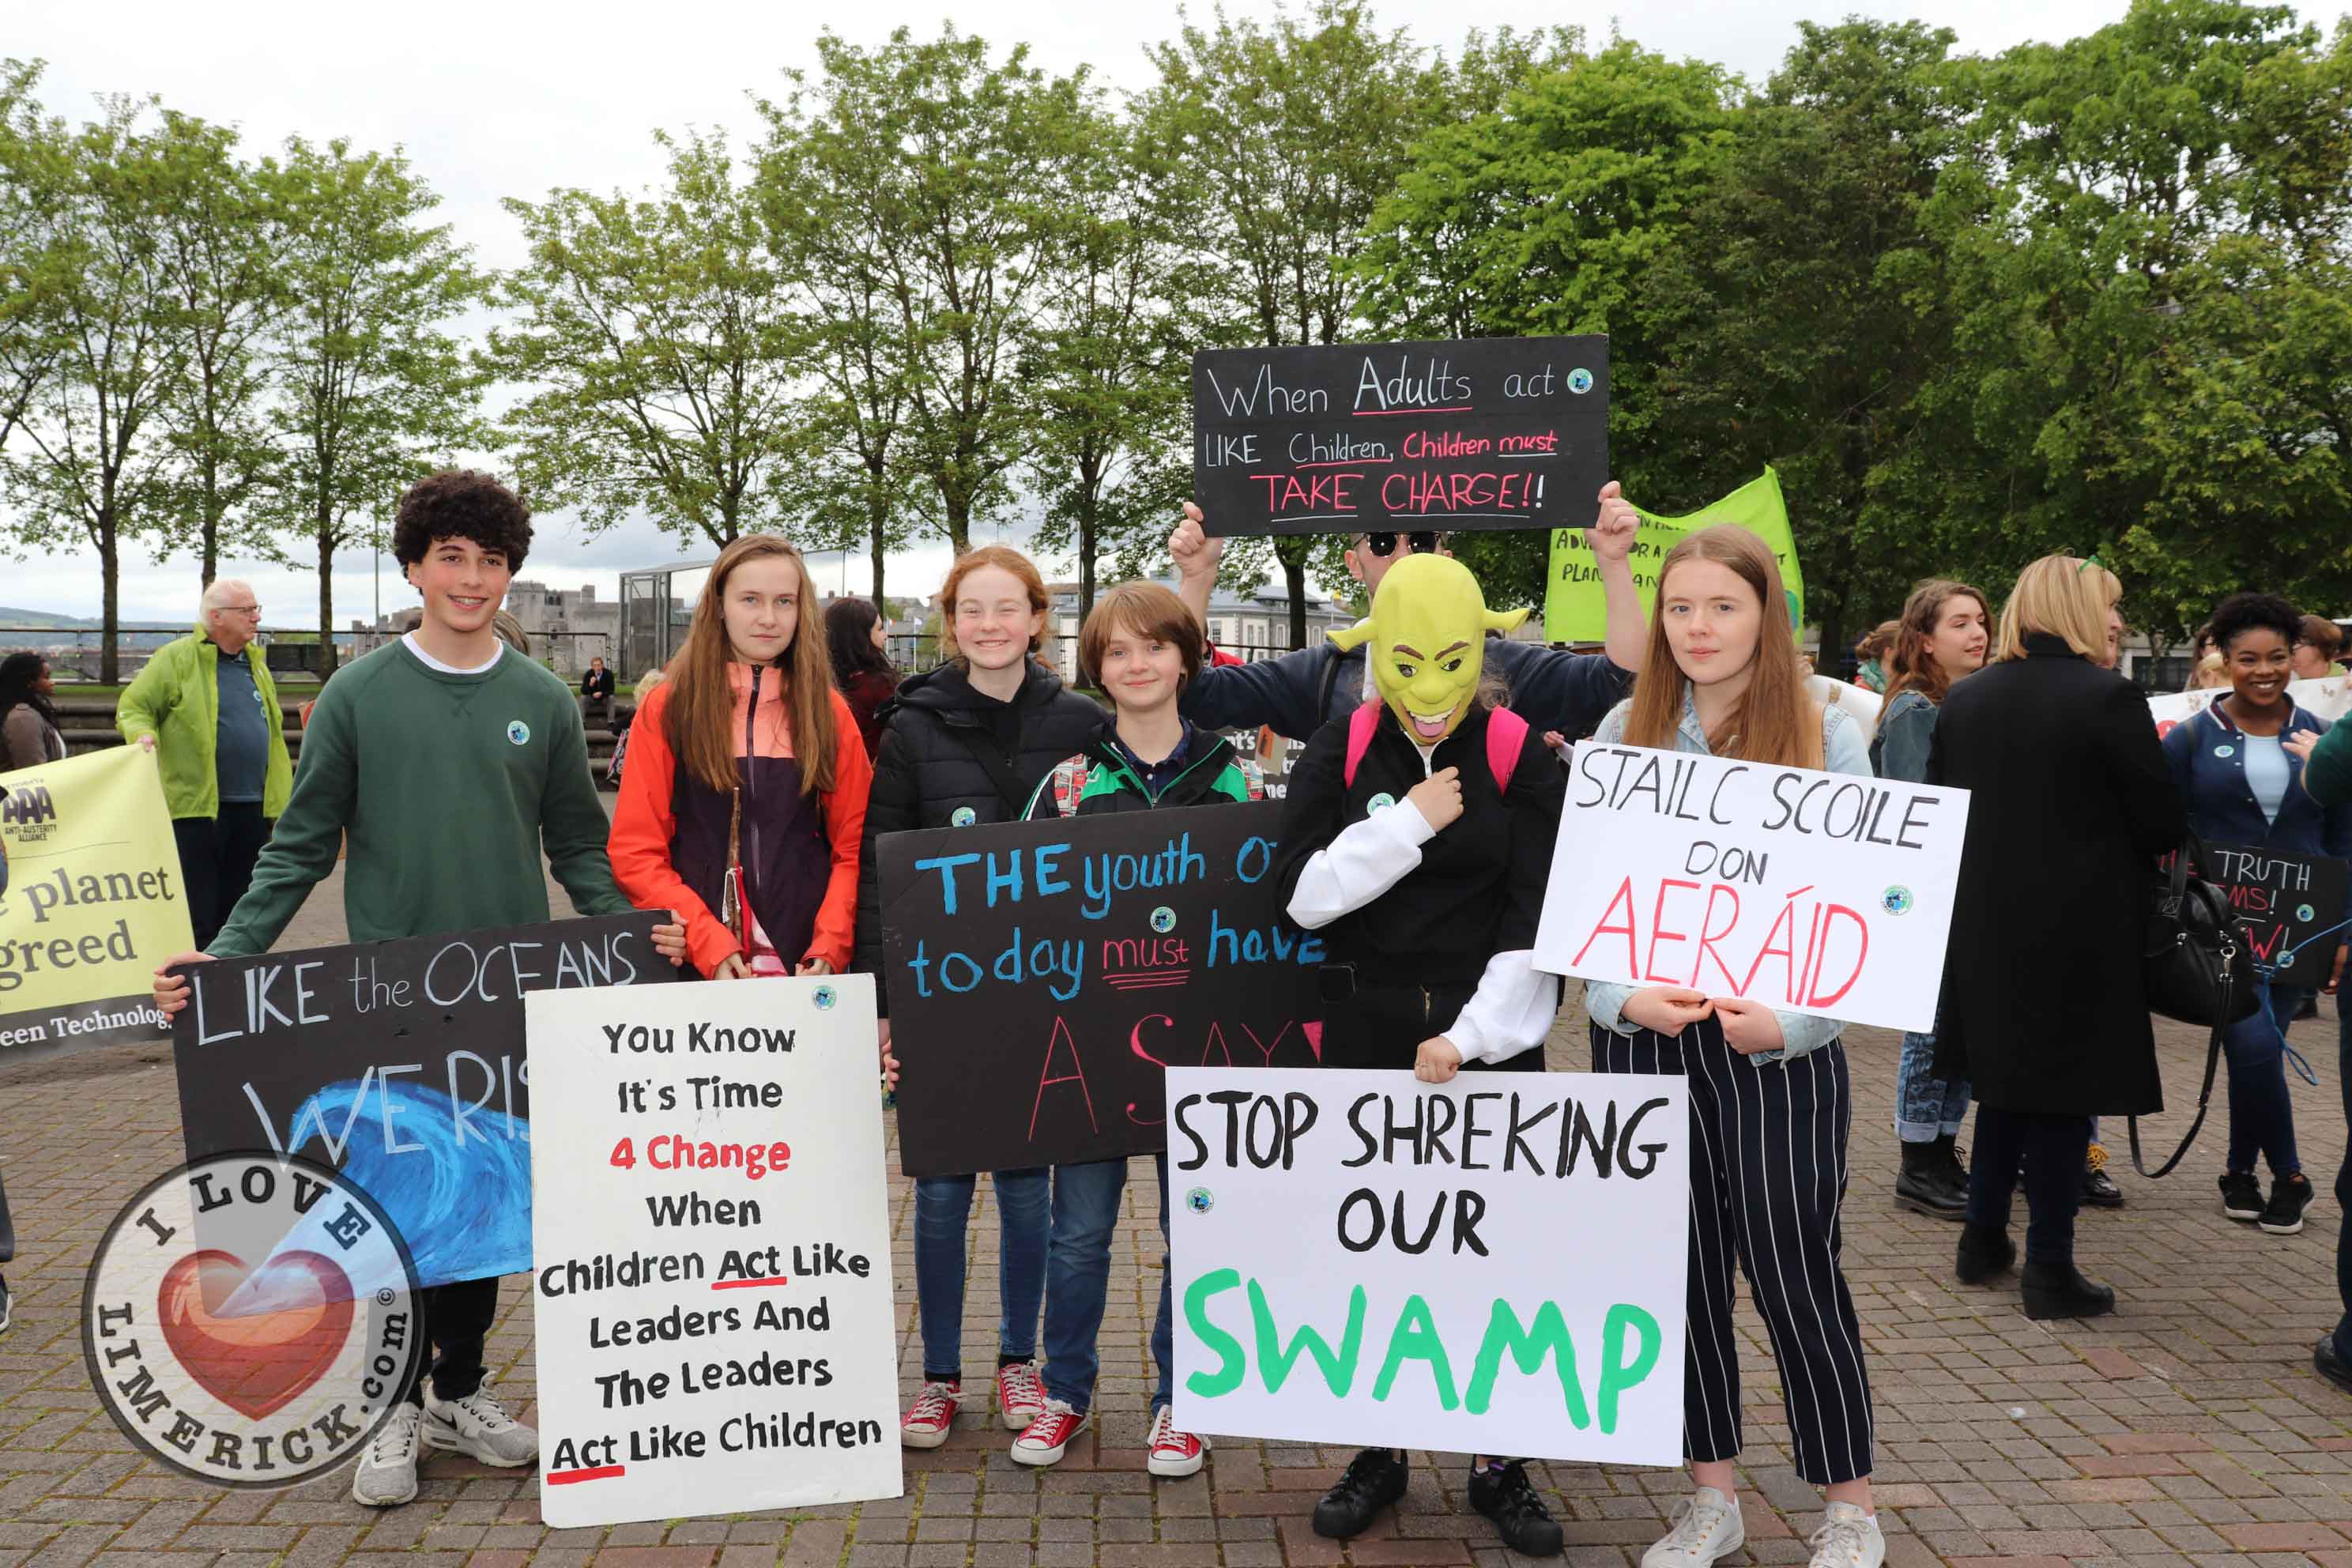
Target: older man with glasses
205, 706
1297, 694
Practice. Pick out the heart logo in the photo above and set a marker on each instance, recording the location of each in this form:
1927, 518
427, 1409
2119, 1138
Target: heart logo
255, 1364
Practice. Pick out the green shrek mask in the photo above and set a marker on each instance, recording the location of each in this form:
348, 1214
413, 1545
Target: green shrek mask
1428, 643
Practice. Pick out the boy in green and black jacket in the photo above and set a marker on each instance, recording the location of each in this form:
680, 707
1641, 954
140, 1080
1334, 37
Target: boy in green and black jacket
1142, 646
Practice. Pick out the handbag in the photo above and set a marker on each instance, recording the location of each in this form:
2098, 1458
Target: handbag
2196, 971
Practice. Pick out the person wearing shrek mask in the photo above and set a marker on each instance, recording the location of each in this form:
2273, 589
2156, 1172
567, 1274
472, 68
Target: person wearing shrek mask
1417, 837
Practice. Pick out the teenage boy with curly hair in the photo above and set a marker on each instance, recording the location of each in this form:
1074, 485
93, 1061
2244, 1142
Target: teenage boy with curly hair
450, 762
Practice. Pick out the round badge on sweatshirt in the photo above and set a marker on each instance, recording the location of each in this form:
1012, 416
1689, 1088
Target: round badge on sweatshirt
518, 732
2225, 751
963, 817
1380, 802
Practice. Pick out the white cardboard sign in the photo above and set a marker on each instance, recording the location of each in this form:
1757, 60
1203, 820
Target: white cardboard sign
1810, 892
711, 1251
1490, 1265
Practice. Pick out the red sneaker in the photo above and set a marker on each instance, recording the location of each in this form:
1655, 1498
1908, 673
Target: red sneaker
1049, 1435
929, 1420
1173, 1453
1019, 1395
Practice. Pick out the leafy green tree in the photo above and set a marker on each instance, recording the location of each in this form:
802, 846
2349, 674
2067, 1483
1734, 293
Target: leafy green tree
938, 160
92, 289
1803, 306
2147, 237
218, 241
1548, 214
660, 340
1111, 361
370, 391
30, 347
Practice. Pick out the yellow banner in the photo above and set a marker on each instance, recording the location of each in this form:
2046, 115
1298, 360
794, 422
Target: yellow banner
90, 901
1574, 608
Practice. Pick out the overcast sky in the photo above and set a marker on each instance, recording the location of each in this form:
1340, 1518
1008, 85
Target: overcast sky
500, 98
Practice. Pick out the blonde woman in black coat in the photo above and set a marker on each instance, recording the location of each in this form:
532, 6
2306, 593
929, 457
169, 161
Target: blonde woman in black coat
2044, 1011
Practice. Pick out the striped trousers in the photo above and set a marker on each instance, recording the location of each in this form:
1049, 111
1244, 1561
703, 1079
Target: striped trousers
1767, 1175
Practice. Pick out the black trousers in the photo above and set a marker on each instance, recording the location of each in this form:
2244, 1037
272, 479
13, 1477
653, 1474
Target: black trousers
7, 1230
217, 857
1768, 1177
2048, 1148
454, 1320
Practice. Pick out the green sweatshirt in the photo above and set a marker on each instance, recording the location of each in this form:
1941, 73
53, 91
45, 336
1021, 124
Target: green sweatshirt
2327, 777
447, 785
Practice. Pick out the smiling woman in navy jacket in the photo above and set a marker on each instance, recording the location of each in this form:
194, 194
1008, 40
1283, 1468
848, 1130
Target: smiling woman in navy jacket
2244, 785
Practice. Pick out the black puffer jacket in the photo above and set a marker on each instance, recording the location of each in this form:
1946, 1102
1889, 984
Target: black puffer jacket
929, 768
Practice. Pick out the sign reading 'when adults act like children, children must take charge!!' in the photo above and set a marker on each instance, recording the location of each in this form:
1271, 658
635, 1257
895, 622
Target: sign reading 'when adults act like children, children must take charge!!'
1044, 975
1492, 1266
713, 1289
1808, 892
1489, 433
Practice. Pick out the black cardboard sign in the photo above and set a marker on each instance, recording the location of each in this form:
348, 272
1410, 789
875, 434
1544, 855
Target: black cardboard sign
1043, 976
1486, 433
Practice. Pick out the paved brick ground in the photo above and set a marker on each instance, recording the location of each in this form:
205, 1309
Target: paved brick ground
2188, 1428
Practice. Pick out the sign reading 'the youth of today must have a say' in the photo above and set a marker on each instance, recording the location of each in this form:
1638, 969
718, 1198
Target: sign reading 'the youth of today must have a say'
1492, 1266
1808, 892
1488, 432
713, 1253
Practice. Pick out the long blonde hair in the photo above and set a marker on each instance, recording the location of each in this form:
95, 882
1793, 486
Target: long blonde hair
2060, 597
1911, 664
1775, 723
700, 718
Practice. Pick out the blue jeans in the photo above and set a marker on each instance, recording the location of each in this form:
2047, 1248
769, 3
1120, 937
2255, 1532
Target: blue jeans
1077, 1281
1927, 1106
942, 1212
2262, 1116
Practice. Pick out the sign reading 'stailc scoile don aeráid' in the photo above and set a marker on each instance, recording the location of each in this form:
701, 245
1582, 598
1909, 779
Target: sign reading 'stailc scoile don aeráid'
1488, 432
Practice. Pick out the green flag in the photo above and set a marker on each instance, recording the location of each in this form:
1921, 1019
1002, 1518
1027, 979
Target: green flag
1573, 610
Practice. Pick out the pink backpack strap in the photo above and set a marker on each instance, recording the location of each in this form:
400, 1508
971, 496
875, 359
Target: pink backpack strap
1507, 733
1361, 725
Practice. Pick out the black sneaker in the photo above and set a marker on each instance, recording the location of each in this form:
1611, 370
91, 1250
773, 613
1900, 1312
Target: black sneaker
7, 1309
1375, 1479
2242, 1195
1506, 1497
2099, 1189
2283, 1215
1984, 1252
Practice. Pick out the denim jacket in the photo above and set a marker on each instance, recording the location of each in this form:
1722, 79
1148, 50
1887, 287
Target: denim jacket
1843, 750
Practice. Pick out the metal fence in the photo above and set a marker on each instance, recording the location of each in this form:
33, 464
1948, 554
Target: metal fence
75, 652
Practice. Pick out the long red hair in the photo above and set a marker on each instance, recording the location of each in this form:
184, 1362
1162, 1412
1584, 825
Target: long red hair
700, 718
1005, 559
1775, 723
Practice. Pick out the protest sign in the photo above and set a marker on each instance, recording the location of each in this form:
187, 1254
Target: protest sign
1043, 976
1811, 893
2290, 907
1360, 1258
91, 903
1574, 609
1489, 433
713, 1294
401, 1063
2329, 699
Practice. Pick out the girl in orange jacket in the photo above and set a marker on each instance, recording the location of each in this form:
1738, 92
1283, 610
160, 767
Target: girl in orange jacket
741, 807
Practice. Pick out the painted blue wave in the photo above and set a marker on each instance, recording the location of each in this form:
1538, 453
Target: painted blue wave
465, 1213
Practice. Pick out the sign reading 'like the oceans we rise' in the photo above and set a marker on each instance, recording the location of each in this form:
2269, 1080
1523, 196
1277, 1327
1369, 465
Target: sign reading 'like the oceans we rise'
1489, 433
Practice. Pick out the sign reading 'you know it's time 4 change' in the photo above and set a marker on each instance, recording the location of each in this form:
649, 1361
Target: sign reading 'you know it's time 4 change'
1808, 892
712, 1254
1490, 1265
1490, 433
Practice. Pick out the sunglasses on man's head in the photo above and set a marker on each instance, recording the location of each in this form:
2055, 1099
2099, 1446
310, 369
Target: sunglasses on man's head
1384, 545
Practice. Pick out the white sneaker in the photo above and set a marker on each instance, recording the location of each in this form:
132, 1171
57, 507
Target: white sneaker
479, 1428
1849, 1539
386, 1477
1706, 1527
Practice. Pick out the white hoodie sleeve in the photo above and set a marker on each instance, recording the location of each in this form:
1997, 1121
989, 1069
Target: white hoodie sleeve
1364, 861
1511, 1011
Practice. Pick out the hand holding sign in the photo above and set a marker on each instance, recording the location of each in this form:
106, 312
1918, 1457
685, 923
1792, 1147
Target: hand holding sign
1437, 1061
1193, 552
1667, 1009
1438, 798
1749, 1028
172, 990
1611, 533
